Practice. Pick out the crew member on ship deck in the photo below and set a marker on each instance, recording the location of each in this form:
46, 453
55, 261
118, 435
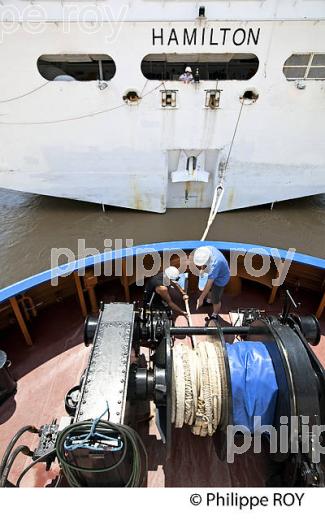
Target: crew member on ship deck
161, 290
210, 260
187, 76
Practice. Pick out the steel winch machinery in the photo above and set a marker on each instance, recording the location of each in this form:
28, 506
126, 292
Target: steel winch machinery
271, 367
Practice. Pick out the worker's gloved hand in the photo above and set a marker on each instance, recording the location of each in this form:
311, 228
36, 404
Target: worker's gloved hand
185, 297
199, 302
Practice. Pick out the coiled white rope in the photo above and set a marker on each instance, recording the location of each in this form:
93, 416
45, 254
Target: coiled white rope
199, 387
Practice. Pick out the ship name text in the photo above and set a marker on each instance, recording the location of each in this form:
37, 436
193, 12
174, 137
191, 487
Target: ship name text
206, 36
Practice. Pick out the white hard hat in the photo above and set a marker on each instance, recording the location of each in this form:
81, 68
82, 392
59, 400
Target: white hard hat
202, 256
188, 69
172, 273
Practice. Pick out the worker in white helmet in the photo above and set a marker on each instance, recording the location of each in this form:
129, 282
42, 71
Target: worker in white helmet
160, 290
187, 76
210, 260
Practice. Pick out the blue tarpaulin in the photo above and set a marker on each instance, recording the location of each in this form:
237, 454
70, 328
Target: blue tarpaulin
253, 382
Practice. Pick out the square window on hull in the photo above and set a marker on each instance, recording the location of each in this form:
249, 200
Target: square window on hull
298, 59
316, 73
294, 72
318, 59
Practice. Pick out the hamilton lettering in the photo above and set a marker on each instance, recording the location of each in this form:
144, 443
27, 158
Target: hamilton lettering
173, 37
189, 40
206, 36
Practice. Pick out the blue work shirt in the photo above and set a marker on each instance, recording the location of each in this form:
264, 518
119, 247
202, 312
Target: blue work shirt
218, 268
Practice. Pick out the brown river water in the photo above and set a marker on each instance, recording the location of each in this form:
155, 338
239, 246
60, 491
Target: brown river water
30, 225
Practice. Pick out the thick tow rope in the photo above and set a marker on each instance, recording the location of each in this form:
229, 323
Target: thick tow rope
199, 387
219, 190
217, 199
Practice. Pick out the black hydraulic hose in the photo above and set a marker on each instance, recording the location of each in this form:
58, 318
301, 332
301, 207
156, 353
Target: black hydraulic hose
40, 459
11, 459
29, 428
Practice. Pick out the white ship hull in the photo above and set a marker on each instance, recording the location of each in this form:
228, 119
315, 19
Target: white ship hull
74, 140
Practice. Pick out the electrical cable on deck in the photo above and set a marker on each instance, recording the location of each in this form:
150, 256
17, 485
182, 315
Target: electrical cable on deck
84, 430
199, 393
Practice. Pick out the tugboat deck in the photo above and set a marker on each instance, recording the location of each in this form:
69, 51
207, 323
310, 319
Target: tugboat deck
48, 369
